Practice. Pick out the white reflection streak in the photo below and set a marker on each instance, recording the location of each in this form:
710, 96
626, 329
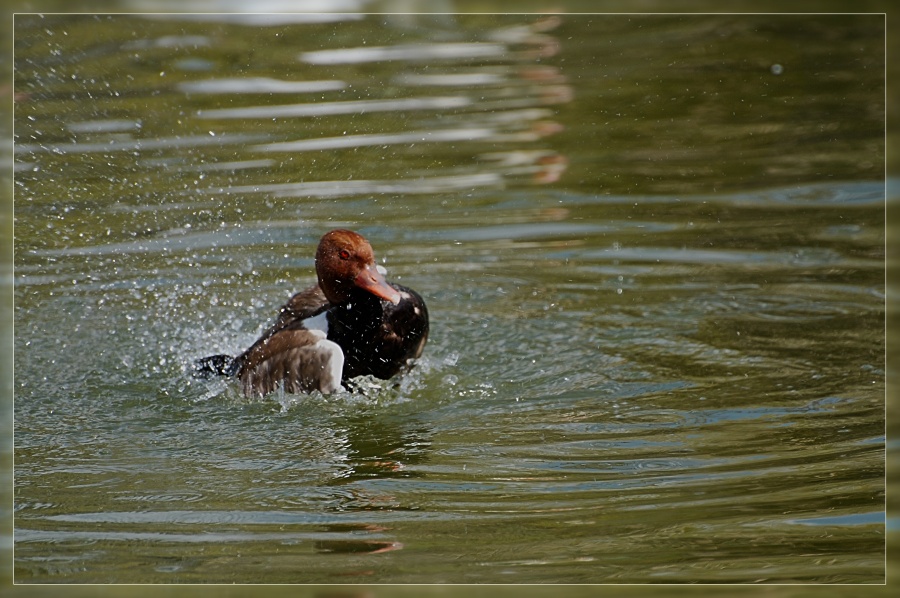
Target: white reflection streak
344, 188
450, 79
412, 137
264, 14
113, 125
417, 52
137, 145
333, 108
259, 85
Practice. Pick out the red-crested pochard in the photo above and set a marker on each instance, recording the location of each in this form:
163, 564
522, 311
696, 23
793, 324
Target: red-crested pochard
352, 323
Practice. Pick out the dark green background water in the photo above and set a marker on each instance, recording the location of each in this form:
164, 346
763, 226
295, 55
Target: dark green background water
652, 246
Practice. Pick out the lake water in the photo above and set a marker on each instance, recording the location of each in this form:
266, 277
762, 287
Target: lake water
653, 250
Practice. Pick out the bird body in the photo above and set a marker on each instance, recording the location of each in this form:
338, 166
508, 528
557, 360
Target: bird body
351, 323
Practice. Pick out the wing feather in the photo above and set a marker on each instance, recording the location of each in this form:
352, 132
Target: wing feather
296, 359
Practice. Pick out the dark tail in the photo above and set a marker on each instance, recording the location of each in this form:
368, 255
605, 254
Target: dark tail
215, 365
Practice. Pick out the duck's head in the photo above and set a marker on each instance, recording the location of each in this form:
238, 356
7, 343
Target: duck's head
345, 262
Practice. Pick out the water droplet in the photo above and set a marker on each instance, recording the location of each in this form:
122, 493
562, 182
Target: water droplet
776, 69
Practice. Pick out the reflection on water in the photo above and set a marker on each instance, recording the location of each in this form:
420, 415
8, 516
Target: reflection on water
658, 340
488, 135
258, 85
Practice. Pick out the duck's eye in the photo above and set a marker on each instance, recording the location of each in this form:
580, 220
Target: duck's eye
345, 255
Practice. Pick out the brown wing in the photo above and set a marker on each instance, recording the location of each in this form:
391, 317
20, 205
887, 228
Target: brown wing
304, 304
297, 359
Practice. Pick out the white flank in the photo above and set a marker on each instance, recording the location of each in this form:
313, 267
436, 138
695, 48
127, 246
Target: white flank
333, 366
317, 323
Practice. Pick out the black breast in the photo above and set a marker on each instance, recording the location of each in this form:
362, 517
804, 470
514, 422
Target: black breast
379, 338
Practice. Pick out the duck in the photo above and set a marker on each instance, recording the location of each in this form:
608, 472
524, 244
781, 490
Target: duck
351, 323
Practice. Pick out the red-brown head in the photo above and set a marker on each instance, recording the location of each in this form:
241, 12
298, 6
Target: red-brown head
344, 262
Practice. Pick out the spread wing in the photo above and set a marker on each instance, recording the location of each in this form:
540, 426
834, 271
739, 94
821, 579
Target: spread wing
299, 360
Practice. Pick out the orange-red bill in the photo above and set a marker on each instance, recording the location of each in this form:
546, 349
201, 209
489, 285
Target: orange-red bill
371, 280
